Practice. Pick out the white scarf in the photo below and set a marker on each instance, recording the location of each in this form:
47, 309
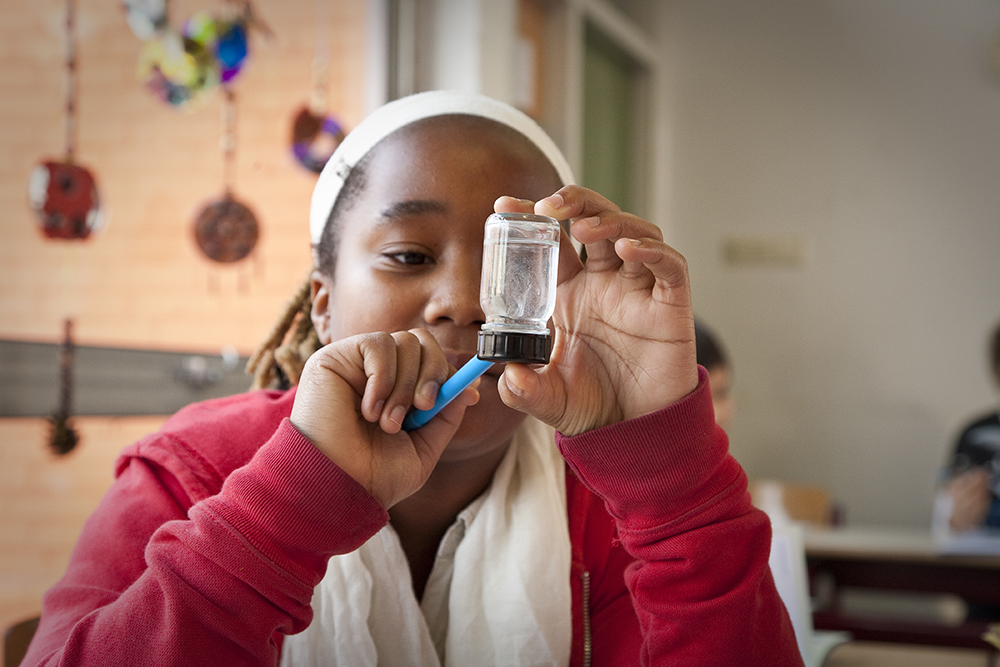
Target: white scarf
509, 602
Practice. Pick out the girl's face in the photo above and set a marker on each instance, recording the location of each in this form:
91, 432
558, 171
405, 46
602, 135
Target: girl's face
410, 246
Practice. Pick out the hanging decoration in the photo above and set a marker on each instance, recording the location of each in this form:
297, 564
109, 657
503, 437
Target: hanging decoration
181, 65
146, 17
226, 230
63, 194
64, 197
314, 138
63, 437
315, 135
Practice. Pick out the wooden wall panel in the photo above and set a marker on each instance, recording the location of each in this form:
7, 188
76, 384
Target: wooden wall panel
141, 284
44, 501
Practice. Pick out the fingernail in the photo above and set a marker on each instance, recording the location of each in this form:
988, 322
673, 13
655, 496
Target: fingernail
470, 396
592, 221
514, 388
397, 415
555, 201
378, 407
429, 391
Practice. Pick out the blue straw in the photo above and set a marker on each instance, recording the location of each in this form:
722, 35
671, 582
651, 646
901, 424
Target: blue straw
455, 385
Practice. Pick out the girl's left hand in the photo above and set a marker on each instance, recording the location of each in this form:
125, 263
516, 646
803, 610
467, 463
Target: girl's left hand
624, 343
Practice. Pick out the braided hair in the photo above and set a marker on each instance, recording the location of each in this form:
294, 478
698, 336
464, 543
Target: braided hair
277, 363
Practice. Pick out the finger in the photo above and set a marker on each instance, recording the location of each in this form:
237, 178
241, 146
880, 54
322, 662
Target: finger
431, 439
668, 267
599, 233
583, 206
434, 370
446, 422
378, 351
332, 359
507, 204
522, 388
597, 222
569, 260
408, 359
572, 202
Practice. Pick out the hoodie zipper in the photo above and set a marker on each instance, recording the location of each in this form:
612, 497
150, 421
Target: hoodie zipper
587, 641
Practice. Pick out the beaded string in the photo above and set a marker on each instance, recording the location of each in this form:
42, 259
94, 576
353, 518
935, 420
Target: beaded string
321, 59
63, 436
71, 81
227, 141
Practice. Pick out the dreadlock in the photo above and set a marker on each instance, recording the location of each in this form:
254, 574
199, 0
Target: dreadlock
277, 363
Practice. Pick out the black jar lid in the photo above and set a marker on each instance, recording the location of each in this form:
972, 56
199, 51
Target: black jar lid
515, 347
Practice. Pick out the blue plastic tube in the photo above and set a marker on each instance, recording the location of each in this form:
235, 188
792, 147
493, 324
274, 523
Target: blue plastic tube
454, 386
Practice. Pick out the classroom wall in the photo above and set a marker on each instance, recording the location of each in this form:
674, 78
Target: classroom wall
868, 132
142, 283
45, 501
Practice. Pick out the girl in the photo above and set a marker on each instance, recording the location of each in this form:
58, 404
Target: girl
305, 527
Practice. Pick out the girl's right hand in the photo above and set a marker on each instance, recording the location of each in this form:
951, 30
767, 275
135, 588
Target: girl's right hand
351, 400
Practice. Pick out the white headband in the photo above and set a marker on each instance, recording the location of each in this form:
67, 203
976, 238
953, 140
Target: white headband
387, 119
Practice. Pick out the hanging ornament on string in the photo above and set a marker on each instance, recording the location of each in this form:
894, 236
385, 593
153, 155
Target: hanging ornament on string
62, 193
181, 65
226, 230
176, 69
146, 18
63, 437
315, 134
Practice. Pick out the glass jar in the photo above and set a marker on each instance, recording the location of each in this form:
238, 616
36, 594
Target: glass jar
518, 288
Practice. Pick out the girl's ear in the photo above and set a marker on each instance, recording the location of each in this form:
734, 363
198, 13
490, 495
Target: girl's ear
320, 287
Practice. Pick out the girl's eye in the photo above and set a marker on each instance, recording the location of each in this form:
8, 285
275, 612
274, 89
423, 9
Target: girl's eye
409, 258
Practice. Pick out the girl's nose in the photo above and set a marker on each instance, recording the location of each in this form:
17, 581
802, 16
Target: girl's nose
456, 294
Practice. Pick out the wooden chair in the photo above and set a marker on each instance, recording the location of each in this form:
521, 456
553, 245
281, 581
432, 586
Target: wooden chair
16, 640
806, 503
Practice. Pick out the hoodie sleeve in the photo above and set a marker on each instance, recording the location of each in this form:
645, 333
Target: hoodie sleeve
152, 582
700, 585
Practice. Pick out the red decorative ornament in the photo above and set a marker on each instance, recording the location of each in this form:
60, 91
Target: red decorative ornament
64, 194
64, 197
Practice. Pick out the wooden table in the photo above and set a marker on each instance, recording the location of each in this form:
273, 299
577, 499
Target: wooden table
893, 561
